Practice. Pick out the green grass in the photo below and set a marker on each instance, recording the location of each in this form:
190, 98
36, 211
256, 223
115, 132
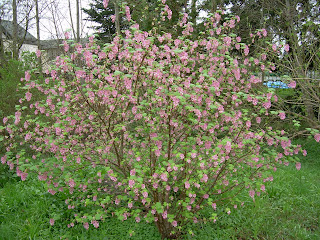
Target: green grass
289, 210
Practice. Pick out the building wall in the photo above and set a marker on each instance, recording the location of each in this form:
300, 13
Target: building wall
28, 48
24, 48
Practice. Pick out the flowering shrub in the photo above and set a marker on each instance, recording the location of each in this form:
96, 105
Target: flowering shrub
150, 127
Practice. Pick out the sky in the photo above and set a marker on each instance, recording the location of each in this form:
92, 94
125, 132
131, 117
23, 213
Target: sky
59, 12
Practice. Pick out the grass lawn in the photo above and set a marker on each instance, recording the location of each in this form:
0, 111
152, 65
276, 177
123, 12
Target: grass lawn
289, 210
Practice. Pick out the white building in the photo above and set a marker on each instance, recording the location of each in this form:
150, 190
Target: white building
26, 41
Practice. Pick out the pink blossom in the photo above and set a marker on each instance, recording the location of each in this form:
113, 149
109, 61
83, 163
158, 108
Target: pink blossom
174, 223
292, 84
23, 176
51, 221
258, 119
232, 23
27, 137
128, 13
133, 172
227, 40
317, 137
17, 117
138, 219
27, 76
267, 105
42, 177
204, 178
252, 193
217, 16
102, 55
169, 13
51, 191
264, 32
187, 185
246, 50
282, 115
298, 166
263, 188
304, 152
65, 46
286, 47
131, 183
105, 3
67, 35
164, 177
164, 215
3, 159
38, 53
274, 47
63, 110
72, 183
113, 18
228, 146
95, 223
145, 194
86, 225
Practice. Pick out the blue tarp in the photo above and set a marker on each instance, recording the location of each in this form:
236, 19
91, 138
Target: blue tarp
276, 84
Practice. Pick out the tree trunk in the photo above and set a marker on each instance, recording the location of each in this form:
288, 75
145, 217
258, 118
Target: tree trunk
165, 228
72, 26
116, 9
194, 12
38, 33
15, 31
185, 6
214, 5
2, 57
78, 21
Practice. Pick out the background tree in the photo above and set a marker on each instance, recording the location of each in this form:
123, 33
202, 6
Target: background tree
4, 8
98, 14
211, 6
296, 23
144, 12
